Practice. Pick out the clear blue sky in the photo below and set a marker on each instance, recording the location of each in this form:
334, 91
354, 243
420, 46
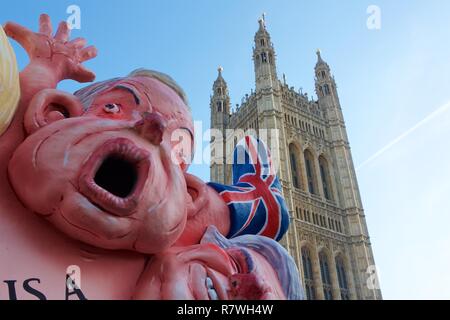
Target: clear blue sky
388, 80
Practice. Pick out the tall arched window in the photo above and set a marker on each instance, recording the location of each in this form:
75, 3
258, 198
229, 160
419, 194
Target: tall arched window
342, 278
325, 274
308, 273
310, 172
295, 166
264, 57
219, 106
325, 177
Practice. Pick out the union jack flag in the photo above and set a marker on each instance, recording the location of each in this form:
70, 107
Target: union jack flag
255, 200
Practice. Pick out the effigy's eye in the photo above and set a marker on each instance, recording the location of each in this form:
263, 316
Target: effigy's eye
112, 108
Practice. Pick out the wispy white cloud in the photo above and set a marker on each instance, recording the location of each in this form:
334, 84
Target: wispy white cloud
405, 195
405, 134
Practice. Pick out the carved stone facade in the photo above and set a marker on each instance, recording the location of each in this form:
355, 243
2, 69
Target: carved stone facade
328, 236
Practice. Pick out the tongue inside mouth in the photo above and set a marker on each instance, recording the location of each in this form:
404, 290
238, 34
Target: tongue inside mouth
117, 176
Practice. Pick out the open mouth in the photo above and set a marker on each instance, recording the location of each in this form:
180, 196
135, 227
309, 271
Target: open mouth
117, 175
114, 176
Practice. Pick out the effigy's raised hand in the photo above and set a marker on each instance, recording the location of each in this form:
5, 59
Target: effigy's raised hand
62, 57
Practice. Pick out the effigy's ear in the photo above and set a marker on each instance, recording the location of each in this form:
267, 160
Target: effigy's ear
9, 82
196, 190
50, 105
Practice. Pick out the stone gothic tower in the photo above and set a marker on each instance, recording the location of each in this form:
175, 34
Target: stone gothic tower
220, 116
348, 191
328, 236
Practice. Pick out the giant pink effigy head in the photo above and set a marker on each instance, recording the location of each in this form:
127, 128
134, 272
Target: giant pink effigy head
101, 165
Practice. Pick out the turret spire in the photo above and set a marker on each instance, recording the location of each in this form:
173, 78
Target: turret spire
264, 58
262, 22
220, 100
319, 56
320, 61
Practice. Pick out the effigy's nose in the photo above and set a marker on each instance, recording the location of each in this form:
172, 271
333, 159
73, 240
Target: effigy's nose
151, 127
